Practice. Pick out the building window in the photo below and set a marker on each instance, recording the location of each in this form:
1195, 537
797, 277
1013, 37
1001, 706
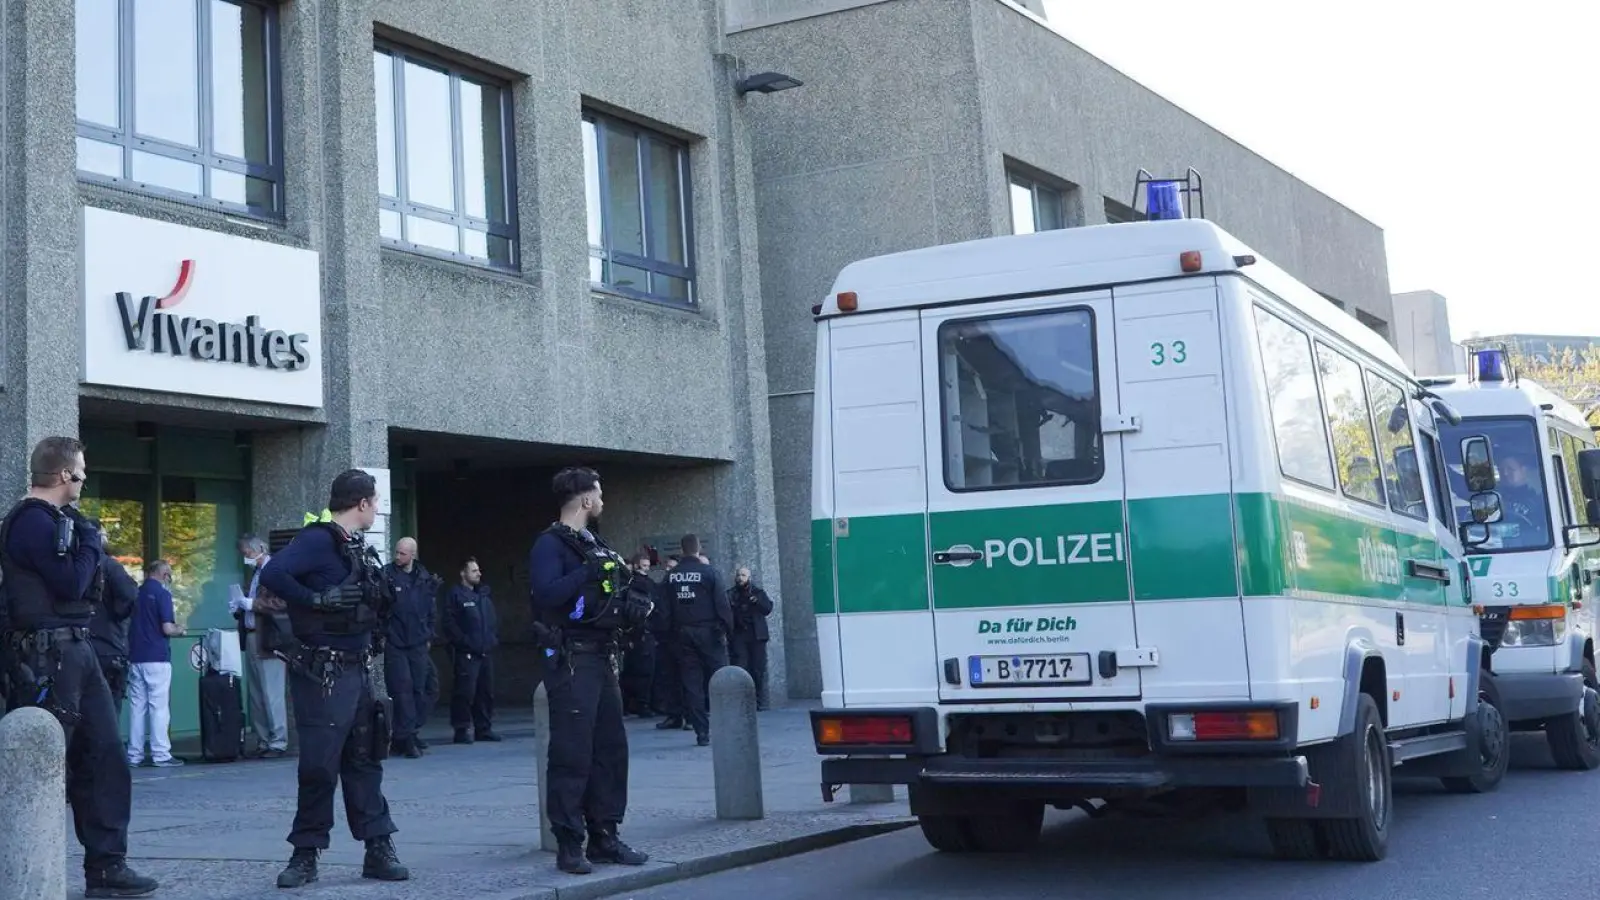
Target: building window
1021, 401
445, 162
1035, 206
179, 98
637, 185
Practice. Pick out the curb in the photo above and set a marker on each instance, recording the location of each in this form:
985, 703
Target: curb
710, 865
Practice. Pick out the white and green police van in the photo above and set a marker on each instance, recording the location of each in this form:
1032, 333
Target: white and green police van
1533, 577
1126, 515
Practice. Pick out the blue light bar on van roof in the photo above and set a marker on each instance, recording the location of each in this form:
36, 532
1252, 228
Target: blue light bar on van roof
1491, 364
1161, 199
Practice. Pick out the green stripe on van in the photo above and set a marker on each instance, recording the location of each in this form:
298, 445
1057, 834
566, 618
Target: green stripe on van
822, 599
1176, 548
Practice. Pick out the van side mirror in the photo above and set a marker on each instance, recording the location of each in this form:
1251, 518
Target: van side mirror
1409, 475
1477, 464
1485, 507
1474, 534
1589, 474
1581, 536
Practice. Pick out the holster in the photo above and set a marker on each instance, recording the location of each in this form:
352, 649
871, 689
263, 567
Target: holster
382, 730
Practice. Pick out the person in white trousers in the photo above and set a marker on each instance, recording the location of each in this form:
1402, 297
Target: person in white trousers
150, 633
269, 716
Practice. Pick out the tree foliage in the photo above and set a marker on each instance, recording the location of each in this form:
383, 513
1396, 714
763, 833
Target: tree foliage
1572, 374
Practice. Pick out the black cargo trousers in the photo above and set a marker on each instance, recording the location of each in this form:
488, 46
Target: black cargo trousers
99, 785
588, 758
337, 743
702, 650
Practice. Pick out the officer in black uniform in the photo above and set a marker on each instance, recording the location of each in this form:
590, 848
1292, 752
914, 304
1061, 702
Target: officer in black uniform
703, 621
114, 593
406, 666
581, 605
338, 602
472, 628
49, 556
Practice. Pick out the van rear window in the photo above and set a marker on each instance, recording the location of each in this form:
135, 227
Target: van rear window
1021, 401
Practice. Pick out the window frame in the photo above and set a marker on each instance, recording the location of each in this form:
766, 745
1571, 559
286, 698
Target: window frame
399, 54
1539, 456
127, 138
1444, 510
1099, 399
1034, 187
1316, 381
604, 252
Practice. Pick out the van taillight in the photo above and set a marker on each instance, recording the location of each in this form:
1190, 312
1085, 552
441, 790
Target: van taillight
864, 731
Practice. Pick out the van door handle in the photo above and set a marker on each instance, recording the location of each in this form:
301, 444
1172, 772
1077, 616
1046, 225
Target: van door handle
946, 557
1418, 568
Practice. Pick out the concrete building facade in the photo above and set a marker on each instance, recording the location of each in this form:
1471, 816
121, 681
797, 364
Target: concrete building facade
256, 243
452, 246
1422, 334
924, 122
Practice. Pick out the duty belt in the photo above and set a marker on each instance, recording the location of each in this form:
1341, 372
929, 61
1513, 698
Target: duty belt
590, 645
326, 664
45, 638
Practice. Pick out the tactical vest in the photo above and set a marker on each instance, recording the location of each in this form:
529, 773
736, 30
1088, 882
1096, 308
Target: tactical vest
30, 600
597, 608
361, 594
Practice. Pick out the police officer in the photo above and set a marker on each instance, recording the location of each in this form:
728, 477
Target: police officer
114, 593
747, 648
667, 685
702, 619
639, 656
49, 556
581, 604
405, 655
473, 631
337, 600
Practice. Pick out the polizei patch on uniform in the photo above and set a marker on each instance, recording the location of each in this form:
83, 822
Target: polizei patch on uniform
1060, 550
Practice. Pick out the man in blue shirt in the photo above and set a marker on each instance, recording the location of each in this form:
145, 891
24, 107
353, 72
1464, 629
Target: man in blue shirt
49, 553
471, 628
335, 591
580, 606
150, 635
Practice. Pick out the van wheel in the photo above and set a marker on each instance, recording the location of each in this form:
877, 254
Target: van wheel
1575, 737
1008, 832
1294, 838
1494, 743
947, 834
1366, 760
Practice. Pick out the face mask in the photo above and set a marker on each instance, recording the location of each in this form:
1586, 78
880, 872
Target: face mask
248, 562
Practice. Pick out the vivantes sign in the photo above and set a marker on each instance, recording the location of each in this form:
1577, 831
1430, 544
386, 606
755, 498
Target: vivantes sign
242, 318
147, 324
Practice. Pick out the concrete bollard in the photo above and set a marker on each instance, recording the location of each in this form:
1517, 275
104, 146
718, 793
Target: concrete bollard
541, 755
871, 793
33, 788
735, 747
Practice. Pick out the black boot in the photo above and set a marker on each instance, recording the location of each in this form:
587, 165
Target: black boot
606, 847
421, 744
382, 862
302, 869
462, 736
569, 857
413, 750
670, 723
117, 880
488, 735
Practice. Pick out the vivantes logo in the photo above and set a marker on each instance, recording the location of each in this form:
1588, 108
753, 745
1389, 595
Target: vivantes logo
149, 325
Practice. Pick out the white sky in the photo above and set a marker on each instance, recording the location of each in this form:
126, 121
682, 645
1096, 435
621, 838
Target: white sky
1469, 132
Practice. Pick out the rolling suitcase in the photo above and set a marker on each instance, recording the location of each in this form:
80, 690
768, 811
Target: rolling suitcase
221, 717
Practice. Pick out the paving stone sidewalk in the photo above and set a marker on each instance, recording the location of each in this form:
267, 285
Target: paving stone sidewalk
469, 821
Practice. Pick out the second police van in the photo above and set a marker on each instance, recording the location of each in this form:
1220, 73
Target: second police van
1127, 515
1534, 577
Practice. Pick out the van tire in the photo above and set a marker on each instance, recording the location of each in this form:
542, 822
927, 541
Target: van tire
947, 834
1575, 737
1008, 832
1370, 773
1295, 838
1494, 748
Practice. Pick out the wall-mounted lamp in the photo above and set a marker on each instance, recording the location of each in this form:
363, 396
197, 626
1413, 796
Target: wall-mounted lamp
767, 83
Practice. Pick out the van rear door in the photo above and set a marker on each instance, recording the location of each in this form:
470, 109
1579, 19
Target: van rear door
1029, 560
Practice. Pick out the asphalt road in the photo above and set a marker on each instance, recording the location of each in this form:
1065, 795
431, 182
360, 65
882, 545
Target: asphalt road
1531, 839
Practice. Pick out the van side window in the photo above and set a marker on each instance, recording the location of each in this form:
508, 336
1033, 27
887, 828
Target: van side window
1021, 401
1570, 447
1442, 507
1397, 450
1350, 423
1292, 395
